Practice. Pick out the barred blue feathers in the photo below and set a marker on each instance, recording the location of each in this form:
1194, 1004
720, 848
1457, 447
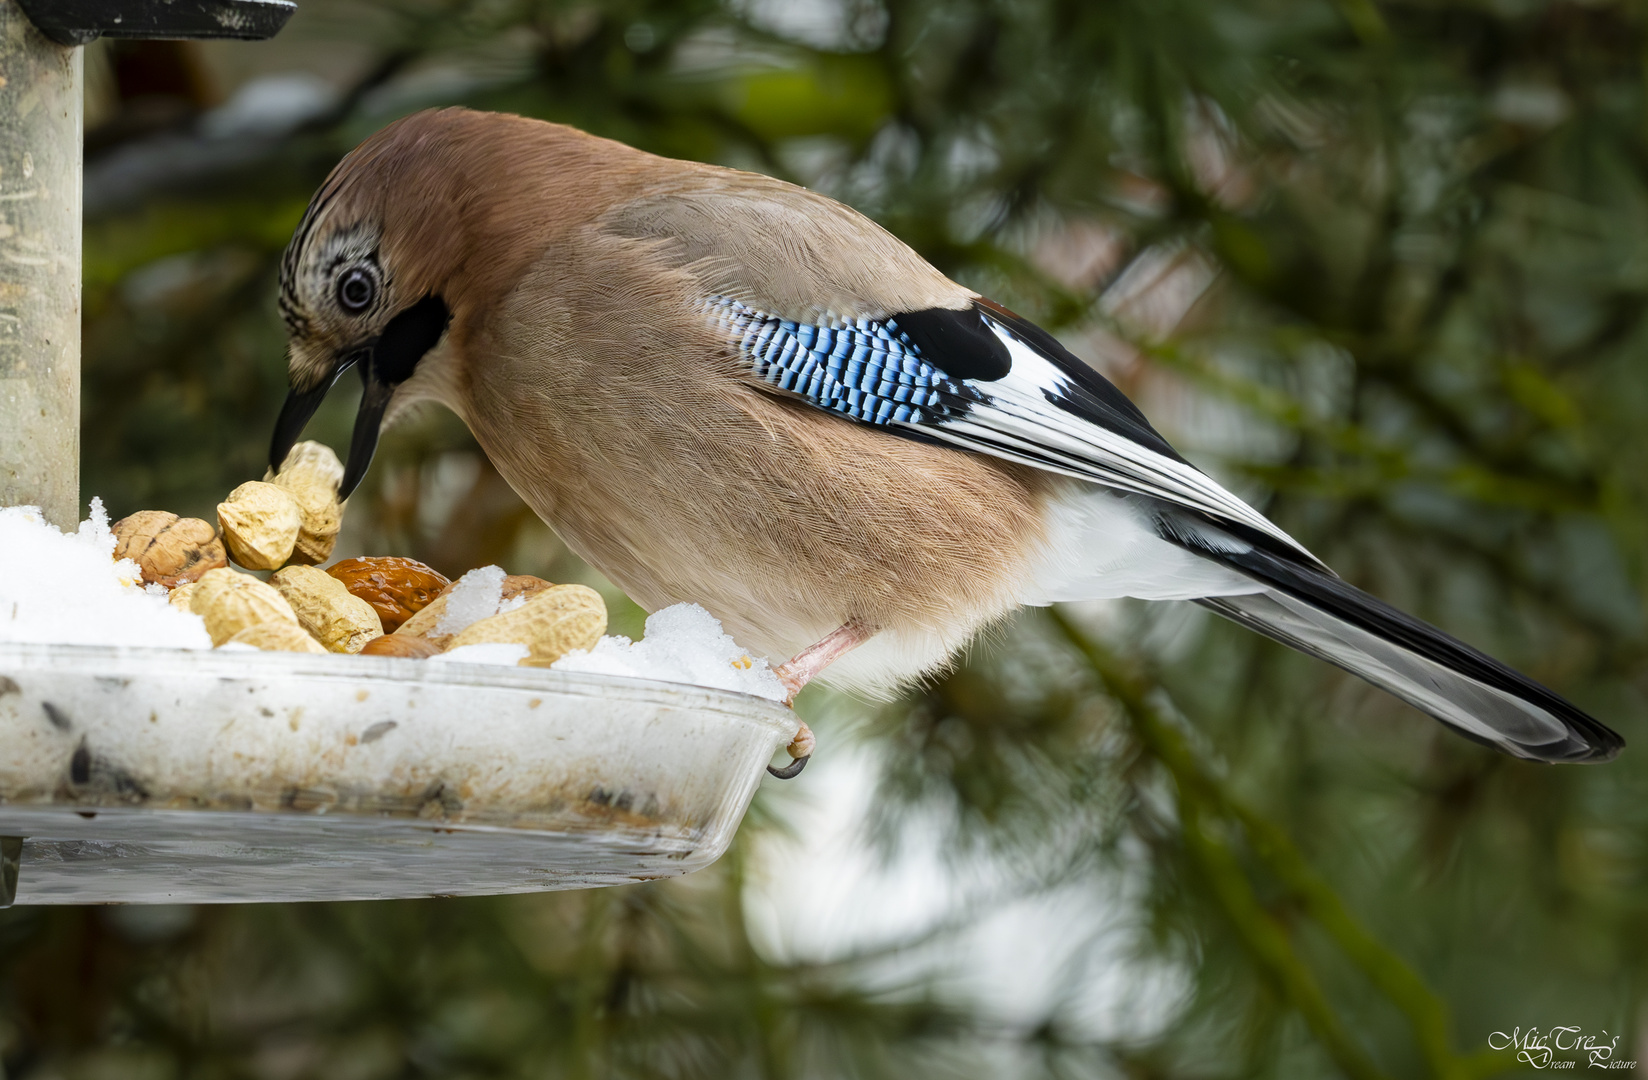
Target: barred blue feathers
864, 369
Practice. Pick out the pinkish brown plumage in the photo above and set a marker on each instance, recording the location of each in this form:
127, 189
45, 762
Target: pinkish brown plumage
723, 389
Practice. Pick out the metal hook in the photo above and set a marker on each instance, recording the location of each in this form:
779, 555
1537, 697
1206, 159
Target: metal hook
11, 856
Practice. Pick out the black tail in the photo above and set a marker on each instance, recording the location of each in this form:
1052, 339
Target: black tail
1318, 613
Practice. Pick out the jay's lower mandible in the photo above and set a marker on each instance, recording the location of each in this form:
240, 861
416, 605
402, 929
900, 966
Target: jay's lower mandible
724, 389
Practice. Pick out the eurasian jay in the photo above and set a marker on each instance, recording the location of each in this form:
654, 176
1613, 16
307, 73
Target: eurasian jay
724, 389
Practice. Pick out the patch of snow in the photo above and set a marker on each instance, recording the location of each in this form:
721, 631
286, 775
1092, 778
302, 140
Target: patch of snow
682, 644
67, 588
509, 654
475, 597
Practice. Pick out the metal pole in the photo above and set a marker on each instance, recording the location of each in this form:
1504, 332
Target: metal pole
40, 146
11, 860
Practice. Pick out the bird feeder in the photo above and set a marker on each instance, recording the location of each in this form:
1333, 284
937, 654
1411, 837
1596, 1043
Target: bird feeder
155, 775
138, 775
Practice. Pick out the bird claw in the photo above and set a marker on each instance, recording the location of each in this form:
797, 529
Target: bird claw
801, 750
792, 770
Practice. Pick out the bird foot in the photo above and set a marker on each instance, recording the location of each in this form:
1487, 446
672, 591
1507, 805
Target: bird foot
800, 750
799, 671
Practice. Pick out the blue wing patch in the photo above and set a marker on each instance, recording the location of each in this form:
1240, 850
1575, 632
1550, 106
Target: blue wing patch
865, 369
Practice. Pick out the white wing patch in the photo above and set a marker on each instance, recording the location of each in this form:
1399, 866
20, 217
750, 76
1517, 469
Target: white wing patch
1102, 545
1017, 421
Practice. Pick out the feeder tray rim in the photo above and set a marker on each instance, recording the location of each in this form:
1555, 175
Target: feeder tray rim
265, 664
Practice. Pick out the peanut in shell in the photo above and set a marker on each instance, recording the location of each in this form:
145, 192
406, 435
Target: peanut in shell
339, 621
423, 622
278, 637
551, 624
311, 474
260, 525
229, 602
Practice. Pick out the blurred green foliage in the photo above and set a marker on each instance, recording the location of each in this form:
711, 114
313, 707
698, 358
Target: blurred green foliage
1379, 265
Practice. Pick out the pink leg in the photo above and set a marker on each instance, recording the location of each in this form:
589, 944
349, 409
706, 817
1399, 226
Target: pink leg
800, 670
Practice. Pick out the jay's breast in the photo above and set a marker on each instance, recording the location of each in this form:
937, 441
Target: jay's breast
783, 522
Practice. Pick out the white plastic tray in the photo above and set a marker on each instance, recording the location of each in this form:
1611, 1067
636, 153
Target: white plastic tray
156, 775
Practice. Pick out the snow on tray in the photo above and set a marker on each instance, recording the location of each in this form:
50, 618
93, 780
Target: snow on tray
505, 653
67, 588
476, 596
682, 644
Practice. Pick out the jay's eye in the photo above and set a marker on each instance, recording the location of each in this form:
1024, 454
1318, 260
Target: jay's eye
356, 290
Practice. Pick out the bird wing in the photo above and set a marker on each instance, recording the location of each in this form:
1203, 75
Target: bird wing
986, 380
825, 305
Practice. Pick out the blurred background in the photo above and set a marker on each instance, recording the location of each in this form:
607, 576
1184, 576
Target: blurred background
1380, 267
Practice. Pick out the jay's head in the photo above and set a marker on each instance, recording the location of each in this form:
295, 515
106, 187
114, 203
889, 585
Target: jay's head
348, 304
417, 233
364, 282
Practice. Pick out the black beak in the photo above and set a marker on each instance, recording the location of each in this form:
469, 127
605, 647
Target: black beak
385, 362
299, 408
375, 395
